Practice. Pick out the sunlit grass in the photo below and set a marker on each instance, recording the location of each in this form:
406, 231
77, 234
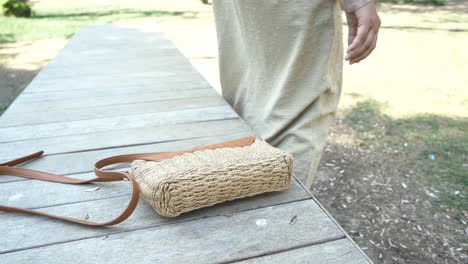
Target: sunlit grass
62, 22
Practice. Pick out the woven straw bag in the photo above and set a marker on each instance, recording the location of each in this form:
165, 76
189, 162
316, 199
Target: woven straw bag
206, 177
177, 182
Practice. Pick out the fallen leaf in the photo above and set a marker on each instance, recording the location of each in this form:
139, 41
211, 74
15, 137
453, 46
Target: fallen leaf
93, 189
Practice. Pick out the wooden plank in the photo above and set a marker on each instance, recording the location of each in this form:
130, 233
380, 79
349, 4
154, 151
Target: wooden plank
109, 85
57, 115
163, 75
98, 50
155, 64
149, 56
149, 60
341, 251
23, 229
168, 75
146, 41
93, 47
219, 238
120, 37
115, 90
93, 43
95, 39
80, 162
70, 103
97, 55
121, 138
152, 59
95, 61
59, 129
140, 71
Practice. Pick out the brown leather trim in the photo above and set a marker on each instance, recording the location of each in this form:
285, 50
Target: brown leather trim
22, 160
5, 169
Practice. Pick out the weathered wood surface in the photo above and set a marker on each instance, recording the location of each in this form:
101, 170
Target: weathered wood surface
74, 202
121, 137
91, 101
116, 90
91, 126
339, 251
93, 112
212, 239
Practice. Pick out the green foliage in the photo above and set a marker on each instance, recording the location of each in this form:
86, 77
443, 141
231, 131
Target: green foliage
62, 22
17, 8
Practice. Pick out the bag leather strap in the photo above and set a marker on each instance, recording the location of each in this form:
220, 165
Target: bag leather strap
9, 168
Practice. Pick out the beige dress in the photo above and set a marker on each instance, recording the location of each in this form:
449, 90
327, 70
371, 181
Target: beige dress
281, 70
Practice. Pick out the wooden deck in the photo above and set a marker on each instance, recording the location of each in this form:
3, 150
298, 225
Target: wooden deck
118, 90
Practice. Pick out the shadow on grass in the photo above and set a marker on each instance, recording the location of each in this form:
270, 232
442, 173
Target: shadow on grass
419, 7
436, 147
7, 38
416, 28
425, 28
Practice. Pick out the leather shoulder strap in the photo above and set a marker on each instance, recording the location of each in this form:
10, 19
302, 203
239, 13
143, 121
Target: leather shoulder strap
8, 168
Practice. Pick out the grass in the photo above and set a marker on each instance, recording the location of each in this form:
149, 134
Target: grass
62, 22
3, 109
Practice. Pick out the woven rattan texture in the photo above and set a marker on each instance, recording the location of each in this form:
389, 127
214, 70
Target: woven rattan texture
203, 178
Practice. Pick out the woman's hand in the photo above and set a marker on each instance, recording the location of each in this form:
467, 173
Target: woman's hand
363, 24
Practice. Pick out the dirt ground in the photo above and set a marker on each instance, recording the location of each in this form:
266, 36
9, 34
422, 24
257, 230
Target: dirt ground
371, 189
26, 60
374, 193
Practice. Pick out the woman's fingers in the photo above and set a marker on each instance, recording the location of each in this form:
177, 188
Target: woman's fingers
359, 40
365, 49
366, 52
359, 48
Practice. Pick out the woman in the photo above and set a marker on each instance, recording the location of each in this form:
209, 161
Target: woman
281, 67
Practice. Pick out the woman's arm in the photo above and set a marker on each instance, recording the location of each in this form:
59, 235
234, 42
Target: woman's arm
352, 5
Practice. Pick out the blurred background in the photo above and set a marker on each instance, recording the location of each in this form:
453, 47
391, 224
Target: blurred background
395, 170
